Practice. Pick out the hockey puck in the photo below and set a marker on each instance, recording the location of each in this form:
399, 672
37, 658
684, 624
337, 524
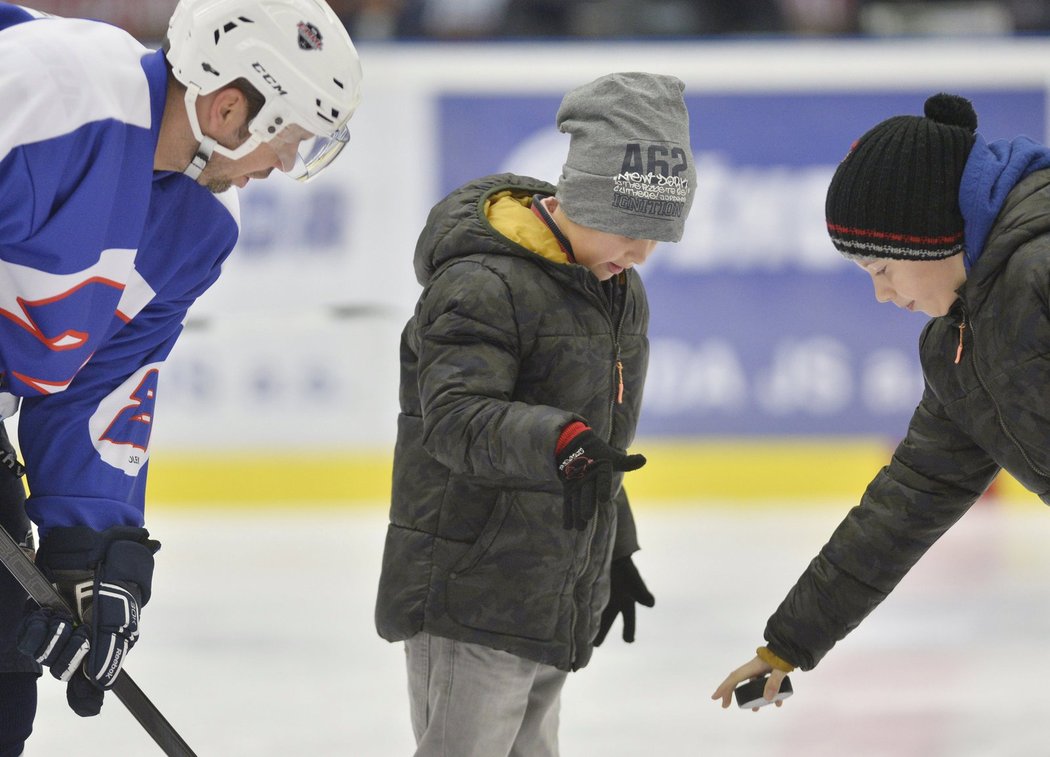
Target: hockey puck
749, 695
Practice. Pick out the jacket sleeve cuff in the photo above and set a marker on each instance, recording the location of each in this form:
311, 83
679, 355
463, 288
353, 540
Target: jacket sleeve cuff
773, 661
569, 433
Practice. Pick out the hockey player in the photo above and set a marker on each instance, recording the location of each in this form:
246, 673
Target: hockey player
957, 228
508, 555
114, 161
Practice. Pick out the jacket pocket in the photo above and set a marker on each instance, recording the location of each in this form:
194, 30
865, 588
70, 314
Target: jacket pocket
513, 579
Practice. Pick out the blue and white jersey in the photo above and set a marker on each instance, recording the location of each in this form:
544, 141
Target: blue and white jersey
100, 258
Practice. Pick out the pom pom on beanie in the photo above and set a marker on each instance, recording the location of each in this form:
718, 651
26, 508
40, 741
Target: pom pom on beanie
896, 194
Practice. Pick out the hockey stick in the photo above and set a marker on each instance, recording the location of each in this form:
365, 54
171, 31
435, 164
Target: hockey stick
44, 594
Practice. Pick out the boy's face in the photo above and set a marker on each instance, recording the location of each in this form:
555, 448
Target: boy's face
927, 286
603, 253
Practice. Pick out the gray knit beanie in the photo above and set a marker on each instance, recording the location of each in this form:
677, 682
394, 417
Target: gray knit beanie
630, 168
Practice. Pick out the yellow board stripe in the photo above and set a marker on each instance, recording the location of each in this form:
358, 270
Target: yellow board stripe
678, 472
260, 479
767, 469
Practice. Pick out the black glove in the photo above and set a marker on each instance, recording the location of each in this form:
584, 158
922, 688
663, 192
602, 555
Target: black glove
585, 467
625, 589
105, 577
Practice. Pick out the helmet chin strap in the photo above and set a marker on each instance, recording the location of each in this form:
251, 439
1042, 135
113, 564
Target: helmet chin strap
206, 145
200, 158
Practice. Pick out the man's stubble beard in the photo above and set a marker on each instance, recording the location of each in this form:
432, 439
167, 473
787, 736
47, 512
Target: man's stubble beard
218, 186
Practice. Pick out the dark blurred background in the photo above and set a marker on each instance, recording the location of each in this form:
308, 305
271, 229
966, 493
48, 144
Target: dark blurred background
466, 20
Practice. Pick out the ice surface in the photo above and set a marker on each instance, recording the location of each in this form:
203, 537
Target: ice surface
259, 641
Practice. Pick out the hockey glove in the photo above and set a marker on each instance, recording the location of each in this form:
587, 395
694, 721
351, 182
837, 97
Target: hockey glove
626, 588
105, 577
585, 467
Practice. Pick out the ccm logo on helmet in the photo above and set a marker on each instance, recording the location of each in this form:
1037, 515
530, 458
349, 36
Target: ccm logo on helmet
269, 79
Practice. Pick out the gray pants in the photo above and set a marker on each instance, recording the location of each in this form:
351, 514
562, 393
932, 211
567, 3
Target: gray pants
468, 700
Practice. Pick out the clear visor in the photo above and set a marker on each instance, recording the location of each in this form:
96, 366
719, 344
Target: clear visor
316, 153
304, 155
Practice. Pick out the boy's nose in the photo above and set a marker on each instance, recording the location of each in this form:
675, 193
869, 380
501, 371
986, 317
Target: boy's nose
883, 293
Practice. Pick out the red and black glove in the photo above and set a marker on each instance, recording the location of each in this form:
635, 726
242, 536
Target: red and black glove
585, 467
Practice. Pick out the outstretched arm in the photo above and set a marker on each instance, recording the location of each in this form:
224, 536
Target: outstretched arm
935, 475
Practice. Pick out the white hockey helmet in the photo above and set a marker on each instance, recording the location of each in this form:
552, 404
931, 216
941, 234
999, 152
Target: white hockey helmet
296, 53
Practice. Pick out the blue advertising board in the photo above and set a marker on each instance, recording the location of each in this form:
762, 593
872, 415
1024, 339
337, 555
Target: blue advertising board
758, 326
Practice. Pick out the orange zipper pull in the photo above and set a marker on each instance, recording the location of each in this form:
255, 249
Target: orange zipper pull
619, 374
958, 352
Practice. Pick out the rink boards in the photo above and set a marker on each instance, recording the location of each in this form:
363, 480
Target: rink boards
774, 372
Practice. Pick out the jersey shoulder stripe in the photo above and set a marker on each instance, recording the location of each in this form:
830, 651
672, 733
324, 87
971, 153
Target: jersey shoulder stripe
66, 73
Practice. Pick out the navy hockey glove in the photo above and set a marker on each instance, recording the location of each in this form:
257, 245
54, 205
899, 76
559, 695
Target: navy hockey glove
626, 589
105, 577
585, 467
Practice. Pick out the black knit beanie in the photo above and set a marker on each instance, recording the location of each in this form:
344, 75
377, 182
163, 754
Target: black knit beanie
896, 194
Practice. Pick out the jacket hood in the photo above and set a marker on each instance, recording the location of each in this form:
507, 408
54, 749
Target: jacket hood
1023, 217
992, 171
457, 226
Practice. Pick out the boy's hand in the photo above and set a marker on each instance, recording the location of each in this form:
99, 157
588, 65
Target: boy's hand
585, 467
753, 669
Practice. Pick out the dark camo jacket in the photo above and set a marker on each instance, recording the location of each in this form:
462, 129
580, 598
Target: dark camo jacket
505, 348
989, 411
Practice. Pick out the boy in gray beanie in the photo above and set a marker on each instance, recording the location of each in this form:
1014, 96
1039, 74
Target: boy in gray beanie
508, 554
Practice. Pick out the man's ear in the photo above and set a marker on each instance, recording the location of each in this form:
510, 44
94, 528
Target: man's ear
225, 116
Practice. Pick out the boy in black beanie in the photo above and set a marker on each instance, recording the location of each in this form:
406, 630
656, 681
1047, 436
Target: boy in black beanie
958, 228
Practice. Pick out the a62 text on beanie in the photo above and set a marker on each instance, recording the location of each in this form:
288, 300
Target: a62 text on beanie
630, 167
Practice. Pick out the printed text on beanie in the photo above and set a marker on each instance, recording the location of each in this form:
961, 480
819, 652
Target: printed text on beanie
630, 166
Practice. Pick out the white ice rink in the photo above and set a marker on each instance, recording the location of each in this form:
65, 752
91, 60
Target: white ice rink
259, 641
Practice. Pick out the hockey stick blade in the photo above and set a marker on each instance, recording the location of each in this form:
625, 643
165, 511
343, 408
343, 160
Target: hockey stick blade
131, 696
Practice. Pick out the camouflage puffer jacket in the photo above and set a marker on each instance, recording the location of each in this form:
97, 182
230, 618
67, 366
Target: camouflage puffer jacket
986, 412
505, 349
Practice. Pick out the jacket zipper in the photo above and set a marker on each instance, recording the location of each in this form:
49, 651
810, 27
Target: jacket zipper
617, 398
618, 387
998, 413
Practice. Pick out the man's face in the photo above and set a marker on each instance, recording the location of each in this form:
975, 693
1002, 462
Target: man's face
928, 286
280, 152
